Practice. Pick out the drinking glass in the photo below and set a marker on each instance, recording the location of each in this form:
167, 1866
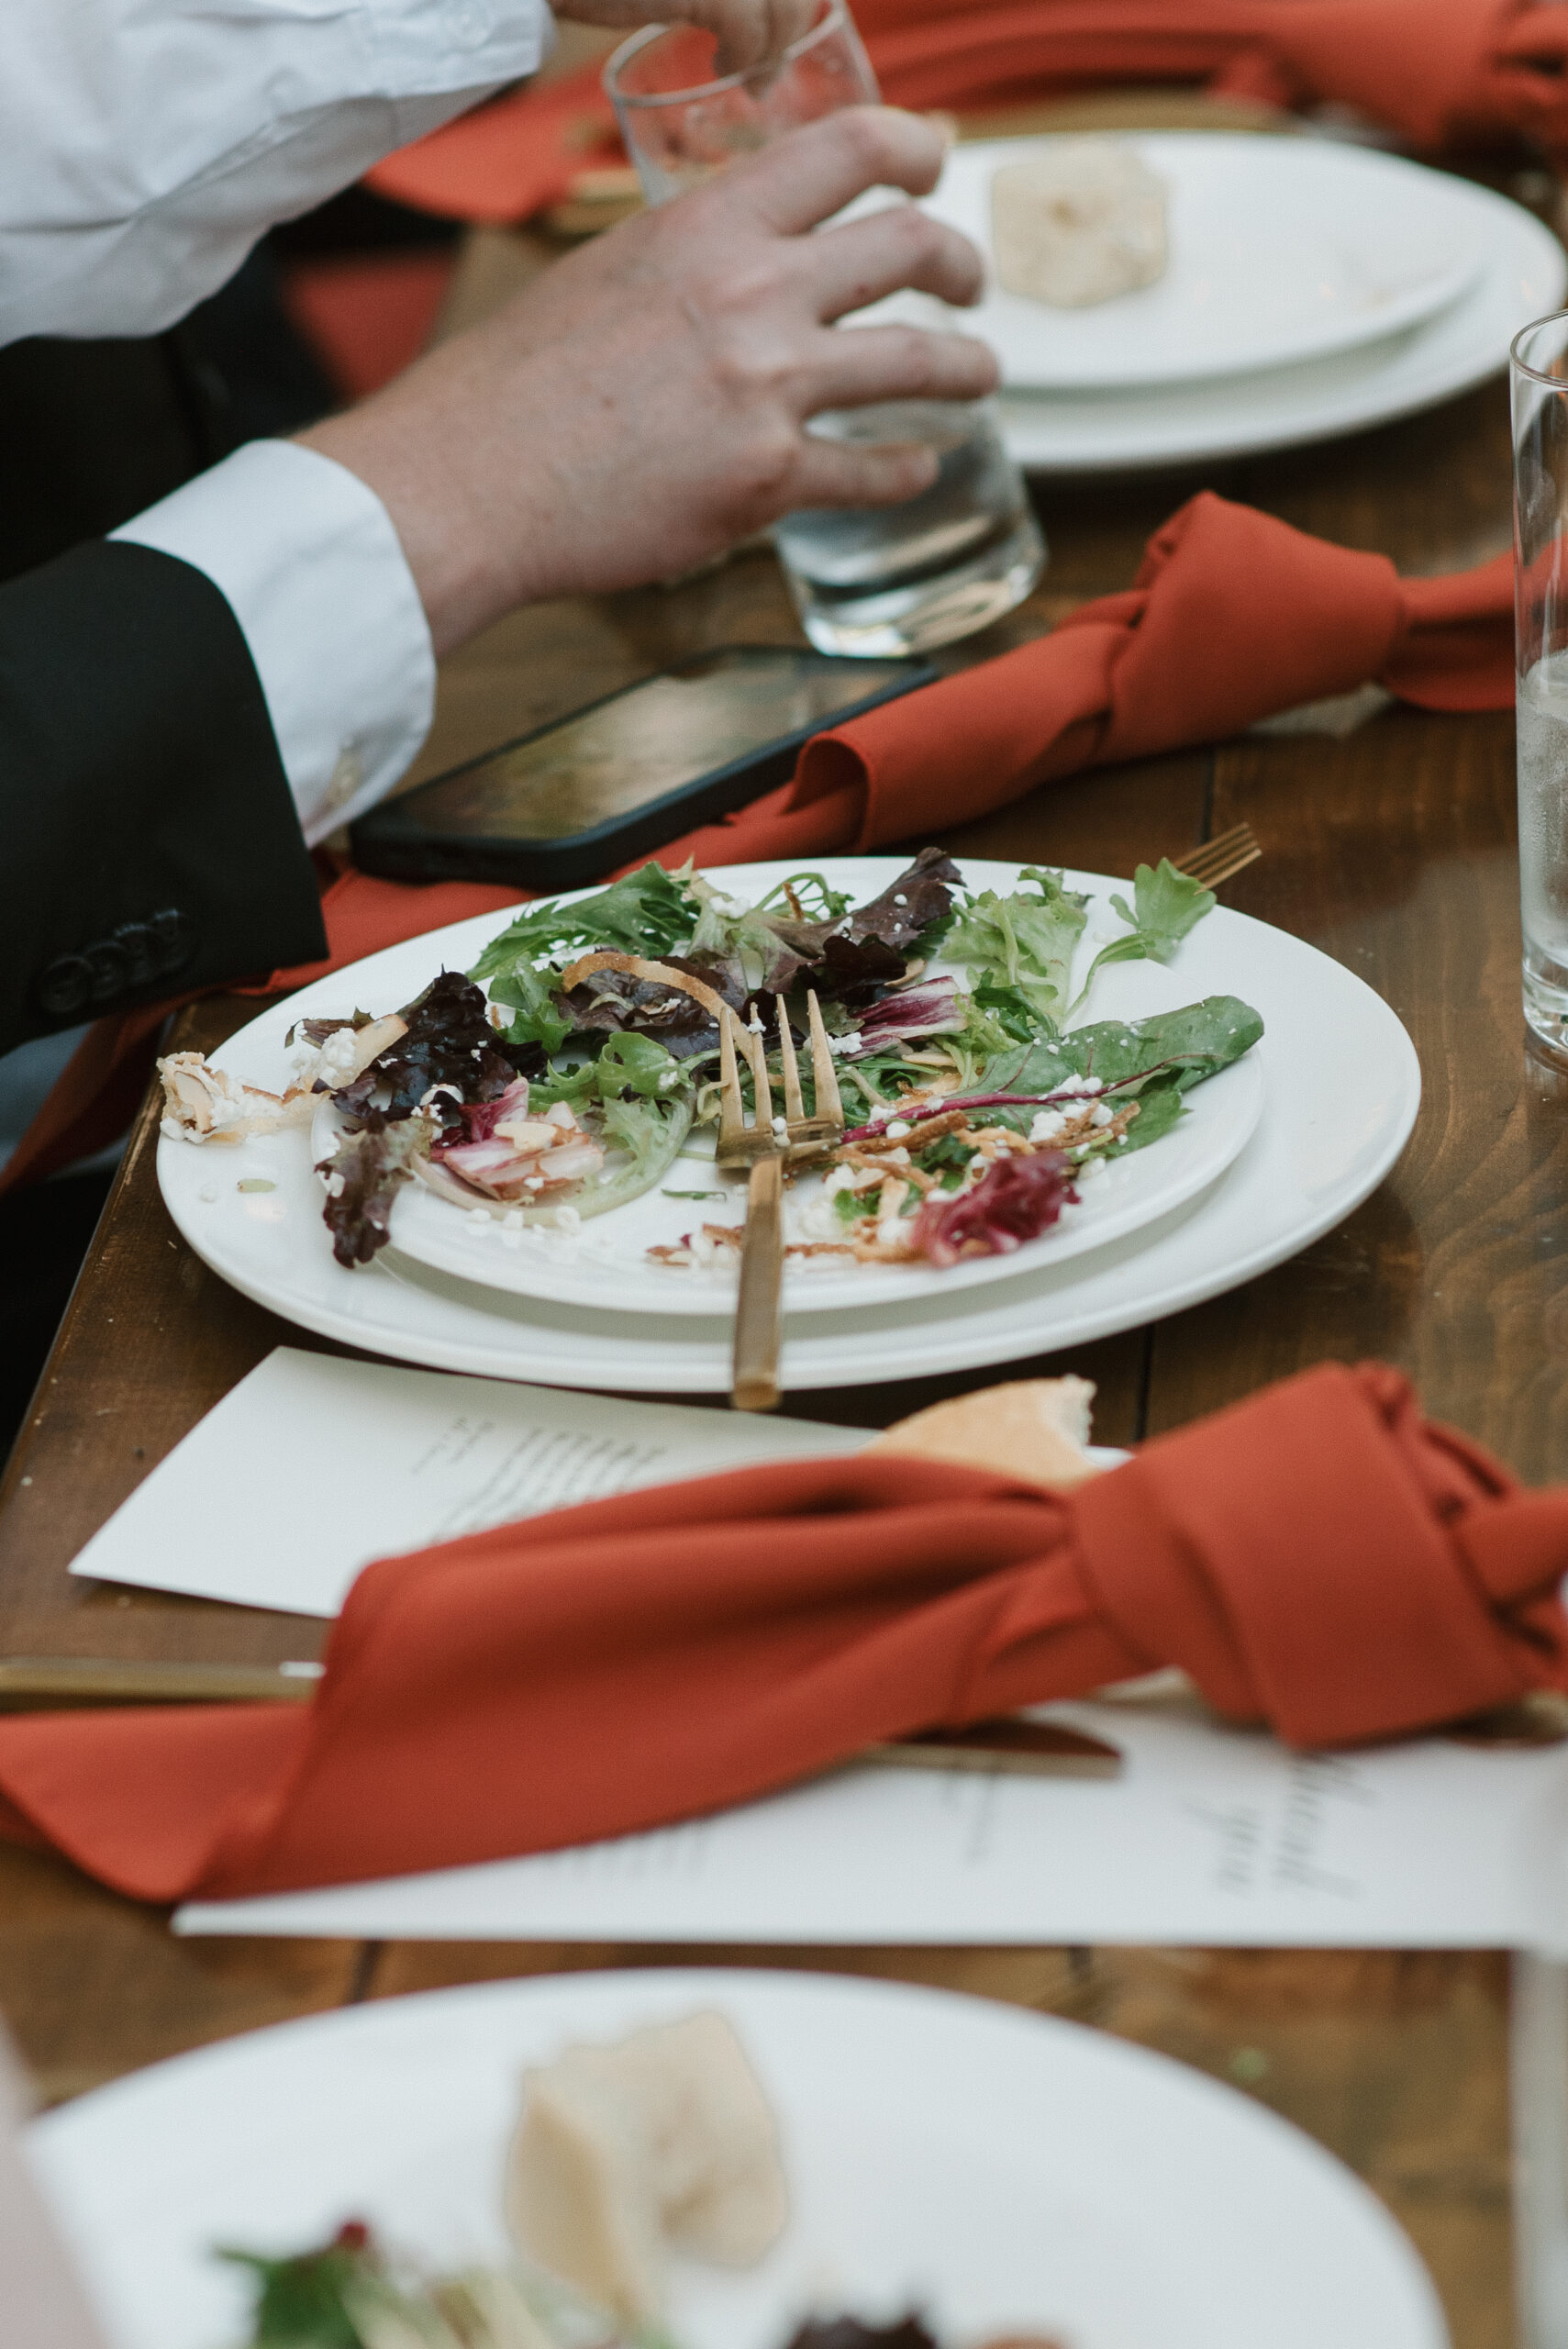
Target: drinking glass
1539, 380
872, 580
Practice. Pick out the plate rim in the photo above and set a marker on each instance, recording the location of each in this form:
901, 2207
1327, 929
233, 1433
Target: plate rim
1413, 310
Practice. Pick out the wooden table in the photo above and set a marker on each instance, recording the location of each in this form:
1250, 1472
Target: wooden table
1393, 850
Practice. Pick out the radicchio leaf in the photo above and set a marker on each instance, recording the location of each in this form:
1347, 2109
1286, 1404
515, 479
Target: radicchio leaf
448, 1042
479, 1119
856, 970
1017, 1201
853, 2333
363, 1179
315, 1031
911, 903
843, 951
930, 1009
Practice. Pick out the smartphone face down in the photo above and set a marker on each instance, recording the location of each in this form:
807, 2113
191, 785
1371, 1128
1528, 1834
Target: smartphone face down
577, 799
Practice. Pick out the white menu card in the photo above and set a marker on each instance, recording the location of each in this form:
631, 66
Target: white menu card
312, 1466
1210, 1836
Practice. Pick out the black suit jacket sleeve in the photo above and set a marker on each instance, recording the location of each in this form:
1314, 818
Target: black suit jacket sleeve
149, 843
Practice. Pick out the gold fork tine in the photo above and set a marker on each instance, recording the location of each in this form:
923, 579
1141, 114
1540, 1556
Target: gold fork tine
1226, 871
732, 1111
1206, 852
764, 1118
1223, 841
825, 1076
1219, 860
794, 1107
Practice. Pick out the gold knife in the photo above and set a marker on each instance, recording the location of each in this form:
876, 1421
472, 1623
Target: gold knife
1032, 1749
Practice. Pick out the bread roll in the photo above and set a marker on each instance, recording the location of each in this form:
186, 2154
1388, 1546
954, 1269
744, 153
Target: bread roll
1033, 1428
1079, 223
663, 2140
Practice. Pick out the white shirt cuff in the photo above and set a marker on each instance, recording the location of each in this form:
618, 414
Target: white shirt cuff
310, 563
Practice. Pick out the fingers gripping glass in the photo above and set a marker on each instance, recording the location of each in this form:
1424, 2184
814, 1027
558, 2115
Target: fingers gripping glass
870, 580
681, 124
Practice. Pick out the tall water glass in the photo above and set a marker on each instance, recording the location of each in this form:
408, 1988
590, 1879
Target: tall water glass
1539, 386
868, 580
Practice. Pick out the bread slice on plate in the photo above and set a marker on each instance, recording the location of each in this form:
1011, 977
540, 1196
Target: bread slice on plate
1034, 1427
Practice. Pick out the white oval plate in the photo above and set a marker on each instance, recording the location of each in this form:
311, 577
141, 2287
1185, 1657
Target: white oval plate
1003, 2172
607, 1265
1345, 1087
1281, 250
1523, 275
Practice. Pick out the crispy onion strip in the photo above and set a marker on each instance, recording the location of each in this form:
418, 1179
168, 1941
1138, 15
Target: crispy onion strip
659, 975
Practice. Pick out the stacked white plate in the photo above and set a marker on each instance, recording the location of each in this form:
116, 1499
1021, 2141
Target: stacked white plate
1312, 289
1276, 1149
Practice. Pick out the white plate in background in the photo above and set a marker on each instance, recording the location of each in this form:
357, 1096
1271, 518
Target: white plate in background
1522, 276
1280, 250
1003, 2172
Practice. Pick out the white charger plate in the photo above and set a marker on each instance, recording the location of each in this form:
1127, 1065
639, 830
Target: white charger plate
1280, 250
607, 1266
1003, 2172
1523, 275
1337, 1120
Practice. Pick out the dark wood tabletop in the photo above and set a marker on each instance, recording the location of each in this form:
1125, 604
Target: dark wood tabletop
1390, 848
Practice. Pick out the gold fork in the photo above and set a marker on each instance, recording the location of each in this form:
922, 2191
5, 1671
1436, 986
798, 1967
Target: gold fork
1220, 859
767, 1145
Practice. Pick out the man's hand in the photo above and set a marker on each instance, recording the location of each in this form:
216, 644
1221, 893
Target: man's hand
748, 31
641, 406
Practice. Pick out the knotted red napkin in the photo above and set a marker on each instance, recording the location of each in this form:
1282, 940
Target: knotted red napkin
1233, 616
1316, 1557
1438, 73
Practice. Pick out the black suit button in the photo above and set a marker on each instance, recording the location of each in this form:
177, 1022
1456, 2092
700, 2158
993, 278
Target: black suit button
110, 967
137, 943
65, 986
173, 940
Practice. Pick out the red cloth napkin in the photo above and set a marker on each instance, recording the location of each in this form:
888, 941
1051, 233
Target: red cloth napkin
1233, 616
1316, 1557
1440, 73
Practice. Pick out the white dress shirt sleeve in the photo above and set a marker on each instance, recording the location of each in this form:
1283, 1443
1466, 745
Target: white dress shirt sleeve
312, 568
145, 145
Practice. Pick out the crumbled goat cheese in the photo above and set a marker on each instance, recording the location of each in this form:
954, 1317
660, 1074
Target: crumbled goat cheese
1045, 1125
1101, 1114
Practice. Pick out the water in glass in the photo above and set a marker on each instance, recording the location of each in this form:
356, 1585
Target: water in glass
892, 579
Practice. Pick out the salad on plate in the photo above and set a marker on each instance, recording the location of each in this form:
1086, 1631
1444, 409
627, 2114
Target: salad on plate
575, 1068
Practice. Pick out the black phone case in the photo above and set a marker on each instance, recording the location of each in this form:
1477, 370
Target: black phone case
392, 841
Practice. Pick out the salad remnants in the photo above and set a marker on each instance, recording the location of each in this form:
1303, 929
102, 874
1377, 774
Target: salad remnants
658, 2145
570, 1069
